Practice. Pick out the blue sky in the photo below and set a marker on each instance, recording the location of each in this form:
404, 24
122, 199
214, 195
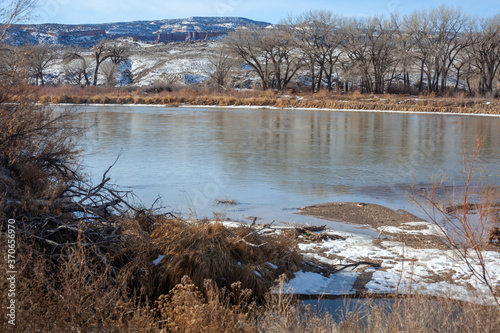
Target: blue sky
103, 11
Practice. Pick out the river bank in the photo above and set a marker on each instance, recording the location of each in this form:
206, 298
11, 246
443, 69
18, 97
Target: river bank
304, 101
409, 255
271, 162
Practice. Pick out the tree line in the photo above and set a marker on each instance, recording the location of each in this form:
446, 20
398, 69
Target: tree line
431, 52
80, 67
425, 52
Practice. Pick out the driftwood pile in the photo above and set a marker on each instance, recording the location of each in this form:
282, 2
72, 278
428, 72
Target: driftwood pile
80, 214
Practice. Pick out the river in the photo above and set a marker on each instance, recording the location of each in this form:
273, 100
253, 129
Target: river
273, 161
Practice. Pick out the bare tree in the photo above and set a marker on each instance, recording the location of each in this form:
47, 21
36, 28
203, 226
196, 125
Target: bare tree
319, 39
245, 44
40, 57
281, 45
272, 53
333, 51
13, 69
404, 51
109, 71
484, 51
77, 68
437, 38
222, 63
107, 50
372, 48
12, 12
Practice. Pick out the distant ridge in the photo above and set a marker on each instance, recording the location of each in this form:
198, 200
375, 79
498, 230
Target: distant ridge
168, 30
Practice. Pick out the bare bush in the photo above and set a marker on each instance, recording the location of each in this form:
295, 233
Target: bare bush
467, 220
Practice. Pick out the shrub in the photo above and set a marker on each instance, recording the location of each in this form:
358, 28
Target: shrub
204, 250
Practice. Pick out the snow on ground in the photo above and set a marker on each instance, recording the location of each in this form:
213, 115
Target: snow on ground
402, 268
170, 70
430, 229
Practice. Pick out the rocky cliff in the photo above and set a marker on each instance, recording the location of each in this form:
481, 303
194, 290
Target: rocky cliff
170, 30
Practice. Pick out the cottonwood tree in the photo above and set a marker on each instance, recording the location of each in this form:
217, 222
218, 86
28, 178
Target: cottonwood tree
372, 49
245, 43
334, 51
272, 53
77, 68
312, 30
484, 51
223, 62
107, 50
357, 50
109, 71
281, 46
39, 58
404, 50
438, 39
452, 25
417, 29
319, 38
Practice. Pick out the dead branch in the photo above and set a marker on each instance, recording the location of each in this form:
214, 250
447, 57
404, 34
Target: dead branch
326, 270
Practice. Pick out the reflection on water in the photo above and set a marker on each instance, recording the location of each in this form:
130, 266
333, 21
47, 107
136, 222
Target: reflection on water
270, 160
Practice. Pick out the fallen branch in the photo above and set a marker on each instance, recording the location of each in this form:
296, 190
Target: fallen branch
326, 269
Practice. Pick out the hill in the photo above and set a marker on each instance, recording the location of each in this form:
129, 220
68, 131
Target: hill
168, 30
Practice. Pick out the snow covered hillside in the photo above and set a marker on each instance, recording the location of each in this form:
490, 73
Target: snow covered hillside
84, 35
148, 64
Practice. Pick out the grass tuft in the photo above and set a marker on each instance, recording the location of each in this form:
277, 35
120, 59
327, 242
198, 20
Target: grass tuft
203, 250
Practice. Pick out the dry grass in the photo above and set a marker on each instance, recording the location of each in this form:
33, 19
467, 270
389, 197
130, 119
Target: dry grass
225, 201
81, 284
78, 294
467, 219
204, 250
456, 103
70, 295
421, 314
186, 309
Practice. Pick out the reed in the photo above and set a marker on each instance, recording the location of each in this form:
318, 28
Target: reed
451, 103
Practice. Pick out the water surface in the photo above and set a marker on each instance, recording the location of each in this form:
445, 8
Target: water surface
273, 161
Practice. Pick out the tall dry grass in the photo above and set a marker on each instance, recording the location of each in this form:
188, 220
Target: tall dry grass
204, 250
420, 314
77, 293
322, 100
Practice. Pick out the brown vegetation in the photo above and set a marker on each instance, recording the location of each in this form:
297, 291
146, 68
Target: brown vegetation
88, 261
324, 100
84, 256
205, 250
